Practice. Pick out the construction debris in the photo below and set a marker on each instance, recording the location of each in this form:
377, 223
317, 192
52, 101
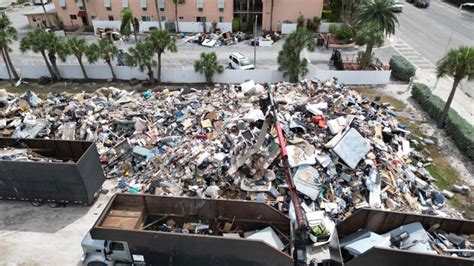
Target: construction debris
345, 151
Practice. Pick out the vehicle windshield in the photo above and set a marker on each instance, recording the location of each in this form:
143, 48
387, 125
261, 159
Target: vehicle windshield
245, 62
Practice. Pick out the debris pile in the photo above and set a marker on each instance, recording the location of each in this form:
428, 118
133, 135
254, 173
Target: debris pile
345, 151
410, 237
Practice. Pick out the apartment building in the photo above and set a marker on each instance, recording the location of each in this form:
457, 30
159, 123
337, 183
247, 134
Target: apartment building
270, 13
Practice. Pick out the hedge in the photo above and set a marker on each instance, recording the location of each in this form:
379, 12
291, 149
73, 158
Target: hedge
401, 68
457, 128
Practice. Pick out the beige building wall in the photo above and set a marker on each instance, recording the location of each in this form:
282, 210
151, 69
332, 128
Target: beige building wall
189, 11
289, 10
35, 19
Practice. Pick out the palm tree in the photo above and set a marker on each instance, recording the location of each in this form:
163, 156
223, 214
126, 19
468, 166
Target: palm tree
38, 41
289, 60
142, 56
136, 27
161, 41
7, 35
459, 64
380, 12
125, 26
208, 66
105, 50
176, 3
77, 47
371, 35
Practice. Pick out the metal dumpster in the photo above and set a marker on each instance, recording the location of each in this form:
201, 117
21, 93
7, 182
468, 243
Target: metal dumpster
77, 180
126, 215
379, 221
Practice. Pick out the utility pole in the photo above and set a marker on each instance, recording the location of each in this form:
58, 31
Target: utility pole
255, 43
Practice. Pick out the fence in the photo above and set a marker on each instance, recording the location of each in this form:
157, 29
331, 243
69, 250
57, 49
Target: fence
375, 77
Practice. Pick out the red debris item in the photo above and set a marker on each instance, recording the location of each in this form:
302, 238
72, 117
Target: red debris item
320, 120
201, 136
103, 159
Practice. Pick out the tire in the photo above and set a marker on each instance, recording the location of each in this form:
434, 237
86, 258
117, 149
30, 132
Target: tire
230, 66
54, 205
37, 203
96, 263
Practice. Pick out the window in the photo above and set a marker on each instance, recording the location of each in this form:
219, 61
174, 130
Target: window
108, 8
146, 18
64, 7
111, 18
161, 5
107, 5
33, 18
93, 17
143, 5
79, 3
181, 18
62, 3
124, 3
81, 8
163, 18
73, 17
200, 19
117, 246
200, 5
221, 19
220, 5
235, 61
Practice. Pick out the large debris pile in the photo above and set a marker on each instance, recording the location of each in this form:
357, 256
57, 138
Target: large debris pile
345, 151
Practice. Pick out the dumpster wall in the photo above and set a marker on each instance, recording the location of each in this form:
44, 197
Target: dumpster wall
163, 248
76, 181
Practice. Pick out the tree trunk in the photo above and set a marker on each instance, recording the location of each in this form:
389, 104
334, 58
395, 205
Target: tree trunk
367, 55
8, 67
209, 79
442, 118
52, 59
150, 75
158, 12
82, 68
46, 15
50, 69
111, 70
159, 68
12, 68
176, 16
271, 16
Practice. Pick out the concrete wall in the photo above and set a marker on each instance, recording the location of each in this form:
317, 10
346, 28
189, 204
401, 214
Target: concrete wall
189, 76
325, 26
287, 28
197, 26
289, 10
47, 19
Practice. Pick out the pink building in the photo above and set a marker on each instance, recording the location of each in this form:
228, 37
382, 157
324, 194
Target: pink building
75, 13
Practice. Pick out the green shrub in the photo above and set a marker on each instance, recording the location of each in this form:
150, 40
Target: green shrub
344, 33
88, 28
235, 24
401, 68
21, 1
326, 15
333, 28
456, 127
300, 22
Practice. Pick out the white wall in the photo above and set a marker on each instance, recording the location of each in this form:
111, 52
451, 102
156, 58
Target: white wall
325, 26
197, 26
287, 28
146, 25
189, 76
360, 77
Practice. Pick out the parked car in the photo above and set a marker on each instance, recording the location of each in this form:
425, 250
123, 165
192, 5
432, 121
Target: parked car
240, 61
422, 3
397, 6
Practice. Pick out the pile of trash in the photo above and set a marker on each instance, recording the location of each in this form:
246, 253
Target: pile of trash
410, 237
345, 151
216, 39
26, 155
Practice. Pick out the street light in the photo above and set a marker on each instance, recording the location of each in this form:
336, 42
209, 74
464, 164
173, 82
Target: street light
255, 43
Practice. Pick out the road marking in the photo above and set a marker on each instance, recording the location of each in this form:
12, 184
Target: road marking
412, 55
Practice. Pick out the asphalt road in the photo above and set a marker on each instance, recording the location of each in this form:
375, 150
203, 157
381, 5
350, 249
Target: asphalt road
433, 30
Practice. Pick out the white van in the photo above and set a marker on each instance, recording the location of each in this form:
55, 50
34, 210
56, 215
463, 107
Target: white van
240, 61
